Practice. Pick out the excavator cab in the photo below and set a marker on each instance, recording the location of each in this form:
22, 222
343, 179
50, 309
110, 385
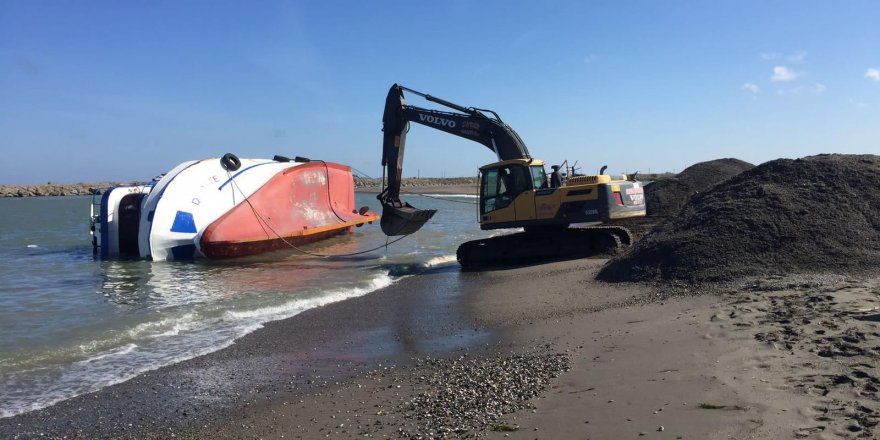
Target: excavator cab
502, 183
508, 190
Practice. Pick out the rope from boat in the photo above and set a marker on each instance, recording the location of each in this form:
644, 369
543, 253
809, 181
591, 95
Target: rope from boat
423, 195
449, 200
329, 200
293, 246
362, 173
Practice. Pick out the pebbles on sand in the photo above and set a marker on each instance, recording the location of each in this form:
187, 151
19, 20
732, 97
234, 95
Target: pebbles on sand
465, 396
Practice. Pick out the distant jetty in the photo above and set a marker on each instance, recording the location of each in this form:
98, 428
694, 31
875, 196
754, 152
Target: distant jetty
367, 183
58, 189
86, 189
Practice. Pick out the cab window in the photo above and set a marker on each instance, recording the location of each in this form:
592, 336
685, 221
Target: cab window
491, 187
539, 177
500, 186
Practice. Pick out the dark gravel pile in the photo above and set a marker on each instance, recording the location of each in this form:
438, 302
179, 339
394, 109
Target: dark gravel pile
464, 397
816, 215
666, 197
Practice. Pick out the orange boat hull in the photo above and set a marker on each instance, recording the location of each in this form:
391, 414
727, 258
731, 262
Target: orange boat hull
297, 206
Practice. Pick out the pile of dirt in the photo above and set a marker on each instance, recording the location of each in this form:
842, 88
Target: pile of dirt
816, 215
666, 197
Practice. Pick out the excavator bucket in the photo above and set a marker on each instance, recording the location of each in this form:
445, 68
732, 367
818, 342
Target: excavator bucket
404, 219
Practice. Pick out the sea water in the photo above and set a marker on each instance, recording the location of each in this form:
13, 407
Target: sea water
71, 323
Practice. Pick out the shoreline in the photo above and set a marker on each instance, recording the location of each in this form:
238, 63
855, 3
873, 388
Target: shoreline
456, 185
637, 364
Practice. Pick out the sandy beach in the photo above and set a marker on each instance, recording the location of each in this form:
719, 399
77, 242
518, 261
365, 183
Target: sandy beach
536, 352
614, 361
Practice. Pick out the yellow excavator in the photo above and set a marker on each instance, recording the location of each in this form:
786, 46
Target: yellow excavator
514, 192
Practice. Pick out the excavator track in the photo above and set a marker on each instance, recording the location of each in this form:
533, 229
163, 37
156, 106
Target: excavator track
538, 246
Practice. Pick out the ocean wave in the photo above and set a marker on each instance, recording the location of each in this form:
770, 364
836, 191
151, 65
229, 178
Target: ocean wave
93, 374
296, 306
165, 327
125, 349
151, 345
441, 260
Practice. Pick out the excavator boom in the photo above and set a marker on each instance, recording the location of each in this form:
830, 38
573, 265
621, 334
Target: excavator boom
400, 218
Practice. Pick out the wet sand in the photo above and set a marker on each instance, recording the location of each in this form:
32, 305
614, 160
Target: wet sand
533, 352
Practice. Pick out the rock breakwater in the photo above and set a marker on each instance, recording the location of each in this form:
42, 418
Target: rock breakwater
85, 189
59, 189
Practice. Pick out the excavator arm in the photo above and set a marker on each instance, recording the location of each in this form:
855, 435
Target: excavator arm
400, 218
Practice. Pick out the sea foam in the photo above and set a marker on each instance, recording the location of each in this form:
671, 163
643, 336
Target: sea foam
160, 344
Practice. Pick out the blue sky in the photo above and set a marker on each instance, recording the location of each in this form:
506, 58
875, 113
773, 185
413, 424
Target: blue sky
93, 91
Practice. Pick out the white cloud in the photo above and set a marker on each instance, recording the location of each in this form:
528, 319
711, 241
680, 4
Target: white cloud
783, 74
873, 74
590, 58
797, 57
751, 88
858, 104
815, 89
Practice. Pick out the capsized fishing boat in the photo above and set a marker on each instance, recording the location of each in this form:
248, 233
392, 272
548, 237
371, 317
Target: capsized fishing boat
226, 208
